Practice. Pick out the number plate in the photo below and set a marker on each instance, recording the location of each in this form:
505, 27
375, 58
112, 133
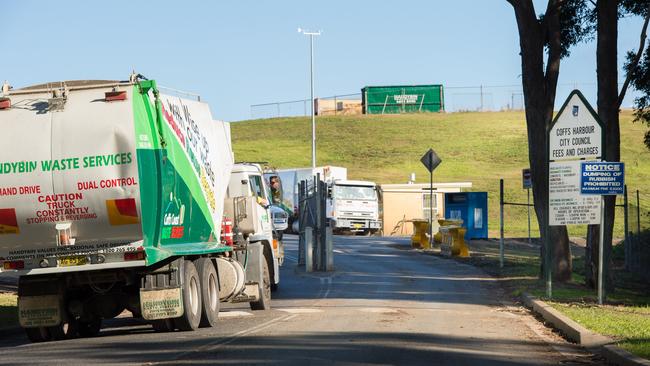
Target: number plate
77, 260
357, 226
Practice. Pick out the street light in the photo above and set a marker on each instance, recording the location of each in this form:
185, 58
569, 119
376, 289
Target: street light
311, 74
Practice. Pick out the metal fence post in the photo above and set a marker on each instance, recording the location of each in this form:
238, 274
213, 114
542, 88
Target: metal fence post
309, 245
301, 229
317, 221
626, 228
329, 248
528, 211
501, 243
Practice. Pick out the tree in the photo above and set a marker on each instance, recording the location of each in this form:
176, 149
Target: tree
637, 67
562, 25
606, 15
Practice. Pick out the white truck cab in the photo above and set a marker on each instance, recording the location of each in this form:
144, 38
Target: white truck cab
353, 206
247, 181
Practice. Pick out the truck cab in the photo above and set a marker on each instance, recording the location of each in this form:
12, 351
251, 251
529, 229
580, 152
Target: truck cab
352, 206
247, 182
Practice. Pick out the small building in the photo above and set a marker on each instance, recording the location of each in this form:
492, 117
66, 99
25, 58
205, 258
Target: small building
337, 106
403, 202
398, 99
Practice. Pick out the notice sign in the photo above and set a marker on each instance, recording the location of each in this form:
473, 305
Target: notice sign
566, 205
602, 178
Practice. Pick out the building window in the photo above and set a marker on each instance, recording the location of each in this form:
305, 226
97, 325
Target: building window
426, 205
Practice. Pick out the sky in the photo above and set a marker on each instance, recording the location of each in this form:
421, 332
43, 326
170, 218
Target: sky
239, 53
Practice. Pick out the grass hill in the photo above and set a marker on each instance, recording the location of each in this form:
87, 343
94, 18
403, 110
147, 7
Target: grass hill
480, 147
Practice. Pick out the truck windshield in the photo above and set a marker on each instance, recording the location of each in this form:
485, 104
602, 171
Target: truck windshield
354, 192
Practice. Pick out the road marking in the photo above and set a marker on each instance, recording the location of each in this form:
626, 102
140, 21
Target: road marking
328, 282
300, 310
291, 258
379, 310
234, 337
233, 314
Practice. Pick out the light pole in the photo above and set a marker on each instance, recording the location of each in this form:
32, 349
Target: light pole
311, 76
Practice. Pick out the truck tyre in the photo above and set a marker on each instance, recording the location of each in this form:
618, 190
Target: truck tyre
264, 303
89, 328
163, 325
191, 317
209, 292
65, 330
37, 335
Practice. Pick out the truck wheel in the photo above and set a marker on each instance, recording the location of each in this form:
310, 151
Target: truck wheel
209, 292
91, 328
37, 335
65, 330
191, 299
264, 302
163, 325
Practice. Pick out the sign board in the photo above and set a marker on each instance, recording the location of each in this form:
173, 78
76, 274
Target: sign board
602, 178
431, 160
566, 205
526, 178
575, 136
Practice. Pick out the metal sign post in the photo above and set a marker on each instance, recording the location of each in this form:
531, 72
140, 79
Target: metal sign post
574, 136
431, 160
602, 179
527, 181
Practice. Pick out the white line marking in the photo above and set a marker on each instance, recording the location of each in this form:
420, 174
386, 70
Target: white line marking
300, 310
233, 314
234, 337
379, 310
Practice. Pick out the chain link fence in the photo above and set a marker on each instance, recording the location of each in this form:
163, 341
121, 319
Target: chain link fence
477, 98
519, 220
637, 243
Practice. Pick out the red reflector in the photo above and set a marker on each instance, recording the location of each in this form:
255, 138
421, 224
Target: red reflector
134, 256
5, 103
14, 265
114, 96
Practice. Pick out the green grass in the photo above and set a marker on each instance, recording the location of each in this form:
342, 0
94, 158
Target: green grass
8, 310
625, 317
629, 324
477, 147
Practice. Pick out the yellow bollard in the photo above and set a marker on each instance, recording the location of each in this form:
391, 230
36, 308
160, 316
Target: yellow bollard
419, 239
458, 246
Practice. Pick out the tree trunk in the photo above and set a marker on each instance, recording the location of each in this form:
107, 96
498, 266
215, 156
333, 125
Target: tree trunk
539, 97
607, 73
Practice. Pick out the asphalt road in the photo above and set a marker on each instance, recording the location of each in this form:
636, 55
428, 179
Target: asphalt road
384, 304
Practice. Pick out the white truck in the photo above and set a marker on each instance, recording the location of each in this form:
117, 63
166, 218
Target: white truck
352, 205
116, 196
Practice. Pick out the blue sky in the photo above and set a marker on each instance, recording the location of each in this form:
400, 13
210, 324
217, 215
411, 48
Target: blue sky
239, 53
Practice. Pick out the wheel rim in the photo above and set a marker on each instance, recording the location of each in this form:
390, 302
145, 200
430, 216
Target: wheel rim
194, 296
213, 292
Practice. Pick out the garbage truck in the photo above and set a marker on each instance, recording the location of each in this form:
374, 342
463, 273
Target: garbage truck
118, 195
352, 205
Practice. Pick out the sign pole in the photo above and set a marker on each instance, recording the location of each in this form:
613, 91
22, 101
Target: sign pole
431, 209
528, 208
601, 241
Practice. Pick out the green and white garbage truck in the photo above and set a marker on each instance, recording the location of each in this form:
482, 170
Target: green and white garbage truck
116, 196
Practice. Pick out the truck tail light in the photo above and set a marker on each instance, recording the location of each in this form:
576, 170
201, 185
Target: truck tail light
5, 103
134, 256
226, 232
13, 265
115, 96
275, 243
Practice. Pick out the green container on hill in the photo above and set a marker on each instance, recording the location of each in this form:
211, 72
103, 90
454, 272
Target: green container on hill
402, 99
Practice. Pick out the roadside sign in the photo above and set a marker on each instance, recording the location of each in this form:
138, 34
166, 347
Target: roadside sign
602, 178
526, 178
575, 136
566, 205
430, 160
